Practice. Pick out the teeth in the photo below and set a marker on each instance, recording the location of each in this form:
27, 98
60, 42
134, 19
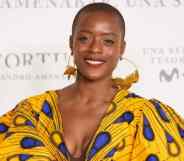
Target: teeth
94, 62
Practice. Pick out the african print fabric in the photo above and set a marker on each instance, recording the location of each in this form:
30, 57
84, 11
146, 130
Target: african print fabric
133, 129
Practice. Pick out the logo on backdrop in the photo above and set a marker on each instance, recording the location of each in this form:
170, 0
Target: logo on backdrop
81, 3
31, 66
169, 76
169, 61
24, 59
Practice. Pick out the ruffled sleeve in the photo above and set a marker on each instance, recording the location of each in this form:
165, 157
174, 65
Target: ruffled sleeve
19, 138
28, 132
5, 123
160, 134
20, 115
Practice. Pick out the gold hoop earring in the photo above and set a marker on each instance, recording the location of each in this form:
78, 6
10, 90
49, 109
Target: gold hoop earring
70, 70
126, 83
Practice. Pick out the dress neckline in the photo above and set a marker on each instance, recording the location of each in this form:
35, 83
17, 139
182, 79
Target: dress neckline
115, 98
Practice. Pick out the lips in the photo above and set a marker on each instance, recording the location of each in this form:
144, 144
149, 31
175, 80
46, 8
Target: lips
94, 62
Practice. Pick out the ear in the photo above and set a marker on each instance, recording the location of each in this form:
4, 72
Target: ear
123, 46
71, 43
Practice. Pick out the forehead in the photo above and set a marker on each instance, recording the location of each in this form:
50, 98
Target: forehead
98, 20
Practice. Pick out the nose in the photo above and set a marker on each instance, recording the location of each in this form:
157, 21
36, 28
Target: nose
96, 46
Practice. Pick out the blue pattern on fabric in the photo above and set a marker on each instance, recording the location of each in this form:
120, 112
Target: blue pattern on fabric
147, 130
24, 157
152, 157
29, 142
3, 128
102, 139
169, 137
111, 153
46, 109
160, 111
62, 147
181, 131
125, 117
170, 143
29, 123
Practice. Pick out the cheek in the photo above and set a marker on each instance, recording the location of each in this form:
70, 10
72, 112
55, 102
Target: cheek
78, 47
112, 52
78, 52
113, 55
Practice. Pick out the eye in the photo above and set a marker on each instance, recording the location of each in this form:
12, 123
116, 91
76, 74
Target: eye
109, 42
83, 39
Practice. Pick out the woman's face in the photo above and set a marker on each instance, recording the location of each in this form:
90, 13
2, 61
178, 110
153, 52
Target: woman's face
97, 44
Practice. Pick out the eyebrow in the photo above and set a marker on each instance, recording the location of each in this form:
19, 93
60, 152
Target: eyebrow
105, 33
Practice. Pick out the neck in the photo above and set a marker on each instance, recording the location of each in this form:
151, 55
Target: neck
95, 90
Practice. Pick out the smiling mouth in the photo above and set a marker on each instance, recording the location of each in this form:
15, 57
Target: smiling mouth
94, 62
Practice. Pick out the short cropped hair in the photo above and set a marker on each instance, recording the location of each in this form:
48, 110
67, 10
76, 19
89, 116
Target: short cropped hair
100, 6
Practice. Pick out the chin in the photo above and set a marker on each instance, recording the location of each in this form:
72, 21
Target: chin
94, 77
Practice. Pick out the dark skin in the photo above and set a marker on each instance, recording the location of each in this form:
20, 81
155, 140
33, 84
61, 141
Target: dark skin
83, 104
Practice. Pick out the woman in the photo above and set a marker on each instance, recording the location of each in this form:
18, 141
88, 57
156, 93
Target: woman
96, 118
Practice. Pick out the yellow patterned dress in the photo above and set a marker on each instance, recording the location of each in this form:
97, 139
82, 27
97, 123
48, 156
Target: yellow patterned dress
133, 129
